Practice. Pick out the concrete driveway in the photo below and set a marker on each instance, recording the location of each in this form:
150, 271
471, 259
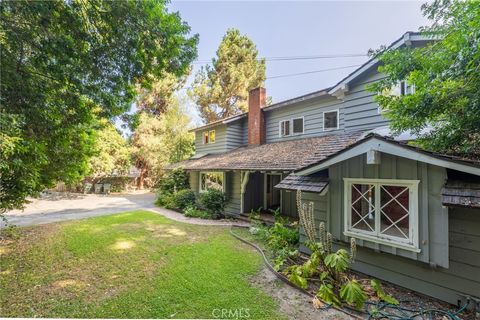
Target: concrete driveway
62, 206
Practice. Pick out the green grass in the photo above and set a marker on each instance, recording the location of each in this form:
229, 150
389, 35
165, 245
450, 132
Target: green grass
130, 265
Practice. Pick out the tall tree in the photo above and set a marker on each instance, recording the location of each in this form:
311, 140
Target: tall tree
221, 90
64, 65
446, 78
162, 139
111, 152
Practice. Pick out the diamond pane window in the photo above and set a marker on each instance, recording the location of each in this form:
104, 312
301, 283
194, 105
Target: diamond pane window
363, 207
383, 211
395, 204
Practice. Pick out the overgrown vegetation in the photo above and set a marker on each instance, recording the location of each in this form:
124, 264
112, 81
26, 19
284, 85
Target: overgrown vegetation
65, 66
213, 201
282, 237
443, 108
330, 267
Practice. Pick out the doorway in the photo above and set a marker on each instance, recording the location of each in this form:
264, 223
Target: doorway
273, 197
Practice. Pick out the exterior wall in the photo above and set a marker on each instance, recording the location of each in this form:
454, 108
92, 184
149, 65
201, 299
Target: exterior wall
313, 118
360, 109
220, 144
233, 193
236, 134
449, 262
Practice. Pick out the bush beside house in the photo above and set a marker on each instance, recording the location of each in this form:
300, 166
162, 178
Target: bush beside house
174, 193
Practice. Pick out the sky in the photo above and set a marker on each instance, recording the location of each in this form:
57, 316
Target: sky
310, 28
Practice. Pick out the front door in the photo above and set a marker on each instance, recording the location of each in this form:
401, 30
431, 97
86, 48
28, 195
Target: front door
272, 194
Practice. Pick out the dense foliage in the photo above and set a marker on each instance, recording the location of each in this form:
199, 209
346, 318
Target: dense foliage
111, 153
174, 180
213, 201
446, 77
162, 140
221, 90
183, 199
66, 64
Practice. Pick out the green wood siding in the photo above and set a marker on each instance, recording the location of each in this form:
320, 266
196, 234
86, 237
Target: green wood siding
220, 144
449, 262
233, 193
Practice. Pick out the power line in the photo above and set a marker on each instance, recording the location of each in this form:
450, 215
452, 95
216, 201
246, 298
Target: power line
309, 72
293, 58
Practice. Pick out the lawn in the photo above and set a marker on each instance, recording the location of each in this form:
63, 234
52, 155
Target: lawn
129, 265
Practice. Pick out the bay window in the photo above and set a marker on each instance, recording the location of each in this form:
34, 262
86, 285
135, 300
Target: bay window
383, 211
211, 180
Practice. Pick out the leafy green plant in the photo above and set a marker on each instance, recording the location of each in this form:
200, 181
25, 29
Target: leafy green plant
213, 201
336, 285
194, 212
165, 200
183, 199
174, 181
327, 294
352, 293
377, 287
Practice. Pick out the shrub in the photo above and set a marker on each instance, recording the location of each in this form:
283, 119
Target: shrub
183, 199
174, 181
194, 212
165, 200
213, 201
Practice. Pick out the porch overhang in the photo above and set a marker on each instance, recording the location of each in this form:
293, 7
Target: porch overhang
303, 183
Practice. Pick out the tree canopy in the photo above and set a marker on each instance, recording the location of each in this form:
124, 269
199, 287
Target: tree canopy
111, 153
221, 90
161, 140
67, 64
444, 109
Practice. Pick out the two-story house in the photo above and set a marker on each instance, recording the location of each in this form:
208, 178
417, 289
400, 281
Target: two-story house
415, 214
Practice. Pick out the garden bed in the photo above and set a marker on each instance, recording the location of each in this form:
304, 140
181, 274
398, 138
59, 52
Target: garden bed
411, 305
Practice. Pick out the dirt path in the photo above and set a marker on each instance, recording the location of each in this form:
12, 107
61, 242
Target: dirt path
293, 303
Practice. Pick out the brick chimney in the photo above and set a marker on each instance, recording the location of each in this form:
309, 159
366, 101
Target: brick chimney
256, 120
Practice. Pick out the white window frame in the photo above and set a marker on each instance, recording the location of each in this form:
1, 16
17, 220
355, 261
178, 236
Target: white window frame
281, 124
203, 137
209, 138
303, 125
200, 189
338, 120
410, 244
404, 85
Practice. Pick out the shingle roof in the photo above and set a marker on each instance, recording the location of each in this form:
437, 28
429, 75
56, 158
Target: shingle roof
460, 193
285, 155
303, 183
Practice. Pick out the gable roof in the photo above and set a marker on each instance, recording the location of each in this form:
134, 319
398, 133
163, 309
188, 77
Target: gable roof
280, 156
375, 142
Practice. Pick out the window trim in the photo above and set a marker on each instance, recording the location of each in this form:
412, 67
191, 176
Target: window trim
207, 133
303, 125
338, 120
210, 138
280, 126
200, 190
412, 243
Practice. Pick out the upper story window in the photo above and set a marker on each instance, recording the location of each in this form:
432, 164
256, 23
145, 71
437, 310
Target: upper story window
290, 126
330, 120
382, 211
284, 128
211, 180
209, 137
406, 88
297, 125
402, 88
